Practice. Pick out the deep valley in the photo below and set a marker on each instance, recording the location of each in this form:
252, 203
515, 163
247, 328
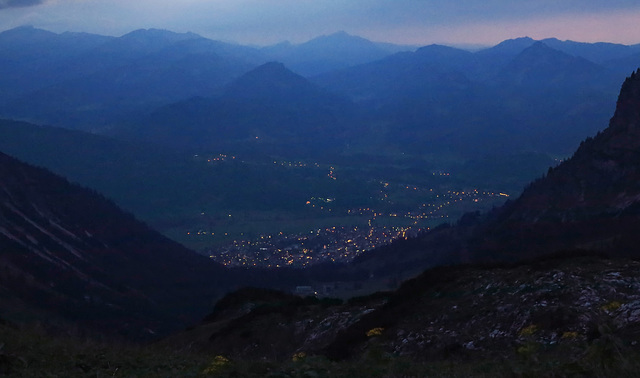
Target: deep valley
171, 205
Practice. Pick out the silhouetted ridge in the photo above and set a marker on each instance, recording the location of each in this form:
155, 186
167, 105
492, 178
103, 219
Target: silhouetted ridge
512, 46
70, 251
591, 201
157, 36
437, 53
538, 65
270, 81
627, 113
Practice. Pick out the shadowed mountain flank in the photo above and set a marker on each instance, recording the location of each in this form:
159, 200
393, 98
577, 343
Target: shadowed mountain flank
69, 251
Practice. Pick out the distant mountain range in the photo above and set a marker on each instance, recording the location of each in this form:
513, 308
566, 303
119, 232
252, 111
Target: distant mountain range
521, 95
518, 95
330, 52
89, 81
269, 109
435, 100
116, 77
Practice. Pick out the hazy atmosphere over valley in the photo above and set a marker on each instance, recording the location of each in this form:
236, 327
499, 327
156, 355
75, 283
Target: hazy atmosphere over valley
414, 22
319, 188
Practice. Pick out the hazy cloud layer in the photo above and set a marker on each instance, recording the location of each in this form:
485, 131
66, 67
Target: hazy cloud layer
19, 3
401, 21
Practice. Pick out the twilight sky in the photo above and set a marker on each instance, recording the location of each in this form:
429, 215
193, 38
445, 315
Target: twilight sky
418, 22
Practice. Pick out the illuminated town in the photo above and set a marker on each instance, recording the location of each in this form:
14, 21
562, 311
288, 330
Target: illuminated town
343, 244
401, 211
335, 244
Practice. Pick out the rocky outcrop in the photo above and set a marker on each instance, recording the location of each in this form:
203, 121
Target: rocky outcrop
565, 304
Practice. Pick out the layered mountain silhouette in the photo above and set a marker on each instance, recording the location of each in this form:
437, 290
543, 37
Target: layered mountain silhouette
118, 78
329, 53
71, 253
397, 74
541, 65
539, 96
444, 99
600, 52
32, 58
268, 106
89, 82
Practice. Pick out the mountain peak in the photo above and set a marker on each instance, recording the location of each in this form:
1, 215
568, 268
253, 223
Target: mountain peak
441, 50
609, 151
338, 36
266, 81
590, 201
271, 68
156, 35
27, 32
271, 72
519, 43
340, 43
538, 47
150, 31
509, 47
539, 50
627, 113
539, 65
21, 28
552, 40
341, 34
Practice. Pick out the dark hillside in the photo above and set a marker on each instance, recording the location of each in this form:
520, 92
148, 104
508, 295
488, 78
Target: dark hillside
68, 250
269, 109
539, 64
589, 201
123, 78
519, 96
31, 58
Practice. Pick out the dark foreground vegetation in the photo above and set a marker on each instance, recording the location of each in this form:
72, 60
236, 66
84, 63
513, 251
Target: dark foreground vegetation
565, 316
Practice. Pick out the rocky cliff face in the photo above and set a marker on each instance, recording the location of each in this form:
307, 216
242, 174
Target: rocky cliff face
601, 176
570, 310
591, 201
